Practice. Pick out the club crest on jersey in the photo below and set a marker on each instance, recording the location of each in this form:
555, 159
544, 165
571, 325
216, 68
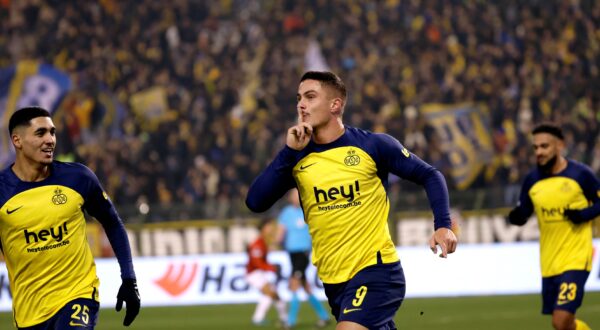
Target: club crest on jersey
59, 198
352, 158
566, 187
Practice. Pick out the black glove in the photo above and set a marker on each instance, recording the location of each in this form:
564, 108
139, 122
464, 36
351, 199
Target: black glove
574, 215
128, 292
516, 218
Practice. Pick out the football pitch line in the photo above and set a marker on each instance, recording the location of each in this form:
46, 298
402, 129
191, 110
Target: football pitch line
461, 313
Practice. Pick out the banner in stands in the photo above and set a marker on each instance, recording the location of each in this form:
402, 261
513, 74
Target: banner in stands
475, 269
463, 130
29, 83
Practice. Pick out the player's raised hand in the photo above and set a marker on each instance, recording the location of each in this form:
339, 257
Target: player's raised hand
128, 292
299, 135
446, 239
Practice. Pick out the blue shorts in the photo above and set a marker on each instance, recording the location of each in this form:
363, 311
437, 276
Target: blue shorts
564, 291
371, 298
77, 314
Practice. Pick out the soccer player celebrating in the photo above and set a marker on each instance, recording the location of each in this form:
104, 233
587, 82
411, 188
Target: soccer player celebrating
564, 195
261, 275
293, 232
341, 173
42, 232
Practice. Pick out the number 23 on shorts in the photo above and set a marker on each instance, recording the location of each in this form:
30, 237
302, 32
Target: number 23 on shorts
567, 292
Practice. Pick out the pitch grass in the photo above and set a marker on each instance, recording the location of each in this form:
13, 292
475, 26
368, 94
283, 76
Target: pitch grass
478, 313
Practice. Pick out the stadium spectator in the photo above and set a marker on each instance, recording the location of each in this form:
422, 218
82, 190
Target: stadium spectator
525, 62
341, 174
565, 197
42, 233
294, 234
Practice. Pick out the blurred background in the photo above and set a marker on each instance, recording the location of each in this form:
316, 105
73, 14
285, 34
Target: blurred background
178, 105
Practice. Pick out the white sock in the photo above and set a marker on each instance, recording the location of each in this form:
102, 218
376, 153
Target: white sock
282, 310
264, 302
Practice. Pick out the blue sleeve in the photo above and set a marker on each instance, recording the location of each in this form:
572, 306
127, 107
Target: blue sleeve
397, 160
591, 188
273, 182
98, 205
524, 208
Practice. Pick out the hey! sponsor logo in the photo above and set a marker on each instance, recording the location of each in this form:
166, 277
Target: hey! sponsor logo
332, 193
57, 233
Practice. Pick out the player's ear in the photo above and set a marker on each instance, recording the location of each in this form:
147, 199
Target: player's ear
560, 144
337, 106
16, 140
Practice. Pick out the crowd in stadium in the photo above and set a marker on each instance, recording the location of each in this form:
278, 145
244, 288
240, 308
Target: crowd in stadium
229, 72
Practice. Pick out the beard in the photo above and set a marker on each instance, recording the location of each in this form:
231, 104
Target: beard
547, 168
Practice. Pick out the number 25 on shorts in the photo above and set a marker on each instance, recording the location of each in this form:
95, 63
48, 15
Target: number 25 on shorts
360, 296
80, 316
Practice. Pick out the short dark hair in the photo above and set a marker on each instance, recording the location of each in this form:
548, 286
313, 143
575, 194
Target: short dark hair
23, 116
327, 78
549, 128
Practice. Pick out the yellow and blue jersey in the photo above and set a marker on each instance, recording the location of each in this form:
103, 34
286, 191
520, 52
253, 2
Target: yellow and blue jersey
43, 237
343, 193
564, 245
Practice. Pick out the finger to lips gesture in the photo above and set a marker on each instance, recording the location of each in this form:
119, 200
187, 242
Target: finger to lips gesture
299, 135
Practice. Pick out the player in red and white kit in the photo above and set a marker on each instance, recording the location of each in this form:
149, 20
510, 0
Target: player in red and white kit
262, 275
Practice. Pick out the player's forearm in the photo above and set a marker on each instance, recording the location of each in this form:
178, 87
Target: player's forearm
591, 212
117, 236
273, 182
420, 172
437, 193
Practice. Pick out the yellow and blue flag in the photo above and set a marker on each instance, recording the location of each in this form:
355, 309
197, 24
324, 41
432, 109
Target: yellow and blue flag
29, 83
464, 131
